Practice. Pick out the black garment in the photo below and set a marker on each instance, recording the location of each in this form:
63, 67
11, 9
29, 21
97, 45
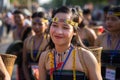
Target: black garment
86, 42
26, 32
31, 61
67, 75
15, 48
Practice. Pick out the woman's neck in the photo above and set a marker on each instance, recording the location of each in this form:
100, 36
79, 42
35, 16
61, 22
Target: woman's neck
38, 36
115, 34
62, 48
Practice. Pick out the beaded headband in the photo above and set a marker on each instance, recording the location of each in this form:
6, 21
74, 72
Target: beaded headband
114, 13
41, 20
65, 21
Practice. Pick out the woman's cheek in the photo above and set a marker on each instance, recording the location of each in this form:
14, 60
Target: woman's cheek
51, 30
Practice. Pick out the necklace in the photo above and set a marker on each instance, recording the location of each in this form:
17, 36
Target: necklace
109, 43
39, 50
53, 66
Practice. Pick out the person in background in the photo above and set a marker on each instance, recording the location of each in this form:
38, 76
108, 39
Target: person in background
86, 33
62, 61
87, 17
110, 40
105, 10
3, 71
8, 21
1, 29
20, 33
28, 19
34, 45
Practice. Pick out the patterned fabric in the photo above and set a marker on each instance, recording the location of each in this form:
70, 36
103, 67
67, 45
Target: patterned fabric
67, 75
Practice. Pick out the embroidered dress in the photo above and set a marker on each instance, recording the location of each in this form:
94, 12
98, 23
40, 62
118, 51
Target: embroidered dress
33, 56
33, 67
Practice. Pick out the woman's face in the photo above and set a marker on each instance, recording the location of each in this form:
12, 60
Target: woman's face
19, 19
38, 25
61, 33
112, 23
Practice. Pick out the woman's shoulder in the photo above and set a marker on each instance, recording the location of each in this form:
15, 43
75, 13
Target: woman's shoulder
100, 39
86, 54
45, 53
44, 56
90, 31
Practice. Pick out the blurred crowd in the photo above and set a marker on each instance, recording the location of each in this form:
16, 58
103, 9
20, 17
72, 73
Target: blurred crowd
31, 34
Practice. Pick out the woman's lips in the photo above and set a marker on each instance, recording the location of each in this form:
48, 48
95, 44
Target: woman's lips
109, 26
57, 37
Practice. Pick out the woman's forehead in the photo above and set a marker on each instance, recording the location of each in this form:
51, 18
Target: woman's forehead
111, 16
37, 19
19, 16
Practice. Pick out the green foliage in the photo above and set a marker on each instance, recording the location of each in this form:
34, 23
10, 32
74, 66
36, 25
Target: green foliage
11, 1
57, 3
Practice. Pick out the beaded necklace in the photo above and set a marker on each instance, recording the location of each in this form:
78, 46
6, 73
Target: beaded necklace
109, 43
40, 48
52, 62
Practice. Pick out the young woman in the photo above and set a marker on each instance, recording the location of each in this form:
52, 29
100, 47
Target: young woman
63, 60
110, 40
34, 45
86, 33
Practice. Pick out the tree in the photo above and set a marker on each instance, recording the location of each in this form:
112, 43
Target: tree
57, 3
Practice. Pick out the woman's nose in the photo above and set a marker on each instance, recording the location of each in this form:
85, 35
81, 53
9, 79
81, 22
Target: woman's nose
59, 31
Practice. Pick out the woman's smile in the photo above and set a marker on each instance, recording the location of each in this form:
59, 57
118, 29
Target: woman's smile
58, 37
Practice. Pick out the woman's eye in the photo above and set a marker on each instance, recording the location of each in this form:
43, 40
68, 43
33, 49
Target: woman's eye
112, 19
40, 24
65, 27
54, 25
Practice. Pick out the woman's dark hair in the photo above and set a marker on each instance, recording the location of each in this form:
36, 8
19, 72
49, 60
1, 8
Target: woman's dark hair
39, 14
106, 8
86, 11
115, 9
63, 9
17, 12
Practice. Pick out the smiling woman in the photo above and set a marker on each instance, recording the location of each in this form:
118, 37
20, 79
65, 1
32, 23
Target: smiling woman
62, 60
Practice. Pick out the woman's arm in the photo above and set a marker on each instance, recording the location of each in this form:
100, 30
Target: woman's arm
25, 63
42, 69
92, 65
91, 36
